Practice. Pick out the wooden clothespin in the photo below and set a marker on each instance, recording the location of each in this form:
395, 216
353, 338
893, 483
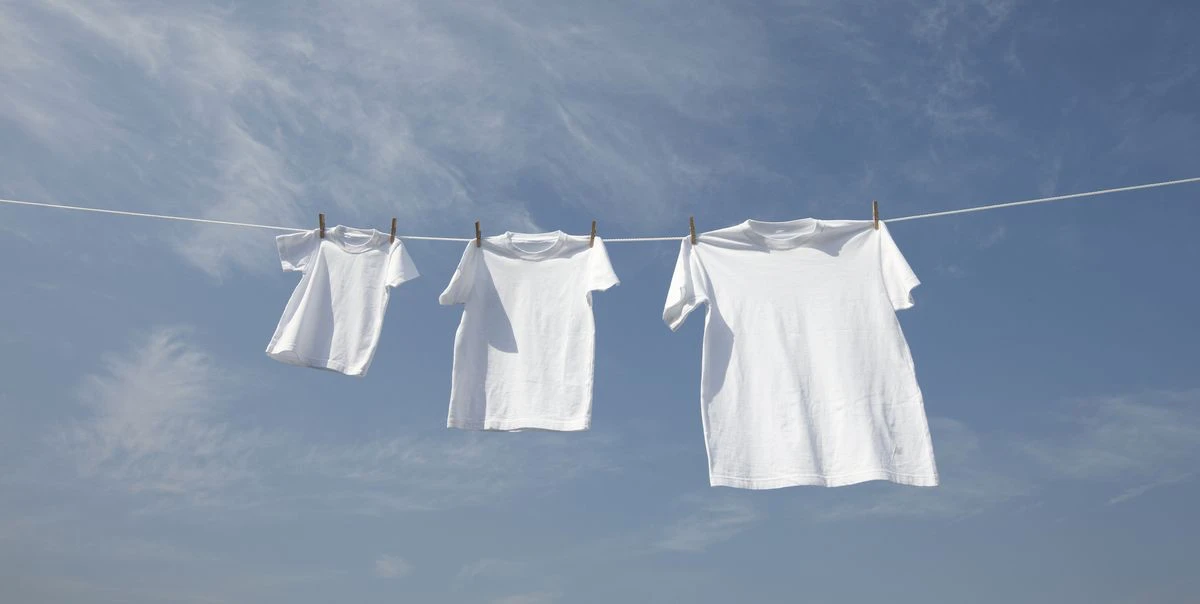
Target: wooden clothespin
592, 238
393, 239
321, 219
478, 235
875, 212
692, 227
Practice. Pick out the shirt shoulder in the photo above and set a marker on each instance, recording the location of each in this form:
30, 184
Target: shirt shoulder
730, 237
844, 238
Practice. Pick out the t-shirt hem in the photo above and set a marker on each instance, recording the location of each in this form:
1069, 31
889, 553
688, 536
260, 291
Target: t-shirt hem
291, 357
826, 480
508, 424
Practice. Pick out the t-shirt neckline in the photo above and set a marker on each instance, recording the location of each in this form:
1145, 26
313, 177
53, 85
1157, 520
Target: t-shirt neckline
339, 237
795, 232
555, 238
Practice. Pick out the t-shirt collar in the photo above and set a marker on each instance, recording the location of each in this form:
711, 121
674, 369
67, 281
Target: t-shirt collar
781, 235
339, 233
513, 241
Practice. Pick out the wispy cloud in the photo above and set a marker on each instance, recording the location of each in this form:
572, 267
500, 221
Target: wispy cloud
995, 236
1140, 490
487, 568
955, 100
155, 424
1146, 440
435, 113
943, 22
707, 521
391, 567
952, 271
429, 112
976, 476
52, 531
413, 472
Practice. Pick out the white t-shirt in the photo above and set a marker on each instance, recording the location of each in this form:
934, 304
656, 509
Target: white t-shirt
334, 316
525, 349
806, 377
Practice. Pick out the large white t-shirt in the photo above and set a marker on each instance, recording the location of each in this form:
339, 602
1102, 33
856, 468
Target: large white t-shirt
806, 377
335, 314
525, 349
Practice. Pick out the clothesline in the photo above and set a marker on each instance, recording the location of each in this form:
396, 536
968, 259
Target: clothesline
993, 206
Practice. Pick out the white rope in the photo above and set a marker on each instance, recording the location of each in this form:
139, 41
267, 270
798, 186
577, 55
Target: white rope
637, 239
993, 206
199, 220
1045, 199
422, 238
144, 215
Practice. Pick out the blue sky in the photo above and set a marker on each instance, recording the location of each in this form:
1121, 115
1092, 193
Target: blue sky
150, 451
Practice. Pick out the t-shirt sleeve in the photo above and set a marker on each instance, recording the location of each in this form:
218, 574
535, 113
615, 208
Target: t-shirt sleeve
688, 288
400, 265
600, 270
297, 249
898, 277
463, 280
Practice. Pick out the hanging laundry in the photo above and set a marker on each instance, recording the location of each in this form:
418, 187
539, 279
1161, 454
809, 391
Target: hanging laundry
524, 351
807, 378
335, 314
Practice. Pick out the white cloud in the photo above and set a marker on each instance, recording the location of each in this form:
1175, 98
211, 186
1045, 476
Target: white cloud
709, 520
155, 424
945, 86
412, 472
51, 530
487, 568
428, 112
1146, 441
1052, 171
949, 22
44, 101
975, 477
1140, 490
952, 271
391, 567
1140, 443
994, 237
438, 113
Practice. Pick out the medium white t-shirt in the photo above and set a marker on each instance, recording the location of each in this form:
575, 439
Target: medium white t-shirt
335, 314
806, 376
525, 349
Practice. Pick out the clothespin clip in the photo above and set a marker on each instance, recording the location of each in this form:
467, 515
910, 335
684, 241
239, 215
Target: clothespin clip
393, 239
592, 238
478, 235
321, 219
875, 212
692, 227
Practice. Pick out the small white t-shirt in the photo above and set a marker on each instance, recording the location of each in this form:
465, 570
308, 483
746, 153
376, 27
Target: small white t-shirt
335, 314
806, 376
525, 349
